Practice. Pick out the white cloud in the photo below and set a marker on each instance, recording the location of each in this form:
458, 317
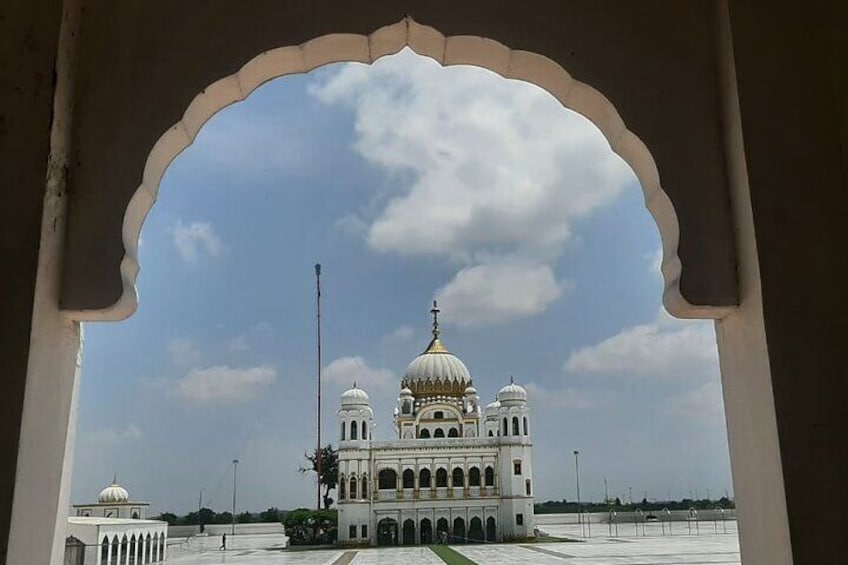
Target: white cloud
238, 343
112, 437
655, 263
351, 225
195, 239
496, 292
667, 348
223, 385
704, 403
569, 398
183, 351
253, 336
345, 370
481, 167
402, 333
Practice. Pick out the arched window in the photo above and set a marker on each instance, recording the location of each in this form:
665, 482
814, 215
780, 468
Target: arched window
155, 548
364, 430
426, 531
104, 551
474, 477
424, 434
406, 407
525, 426
409, 478
364, 487
442, 525
515, 430
352, 492
458, 530
424, 478
162, 547
475, 530
343, 431
490, 433
353, 433
116, 548
505, 428
439, 433
489, 476
491, 529
147, 549
131, 559
453, 432
408, 532
342, 484
441, 477
387, 479
458, 477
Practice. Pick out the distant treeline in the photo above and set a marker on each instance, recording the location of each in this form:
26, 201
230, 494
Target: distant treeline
566, 506
209, 516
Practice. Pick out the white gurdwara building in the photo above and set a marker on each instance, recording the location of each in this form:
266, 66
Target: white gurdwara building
454, 472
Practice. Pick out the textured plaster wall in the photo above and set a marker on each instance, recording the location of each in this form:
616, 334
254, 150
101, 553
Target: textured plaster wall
142, 63
791, 68
29, 33
654, 60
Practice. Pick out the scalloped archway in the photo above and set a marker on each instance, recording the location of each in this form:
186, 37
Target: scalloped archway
426, 41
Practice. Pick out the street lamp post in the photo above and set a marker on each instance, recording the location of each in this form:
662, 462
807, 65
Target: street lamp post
235, 472
577, 475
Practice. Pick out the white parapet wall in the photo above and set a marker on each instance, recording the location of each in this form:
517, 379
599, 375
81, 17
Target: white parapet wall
629, 517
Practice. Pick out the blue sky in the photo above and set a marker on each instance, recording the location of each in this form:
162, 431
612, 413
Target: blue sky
408, 182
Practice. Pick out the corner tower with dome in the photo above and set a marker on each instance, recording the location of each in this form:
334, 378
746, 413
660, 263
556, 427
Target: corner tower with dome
454, 471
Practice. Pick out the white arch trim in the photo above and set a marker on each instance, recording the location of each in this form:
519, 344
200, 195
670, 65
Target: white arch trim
447, 51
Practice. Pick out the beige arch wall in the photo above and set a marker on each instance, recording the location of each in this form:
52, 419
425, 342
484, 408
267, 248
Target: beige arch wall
790, 63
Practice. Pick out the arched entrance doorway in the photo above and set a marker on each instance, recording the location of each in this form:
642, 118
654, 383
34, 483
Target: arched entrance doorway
408, 532
475, 530
442, 527
426, 531
458, 530
387, 532
491, 529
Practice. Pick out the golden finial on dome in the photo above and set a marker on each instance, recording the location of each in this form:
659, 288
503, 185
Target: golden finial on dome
435, 312
436, 344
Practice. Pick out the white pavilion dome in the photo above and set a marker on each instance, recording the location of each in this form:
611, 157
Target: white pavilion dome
112, 494
355, 397
492, 408
437, 371
512, 393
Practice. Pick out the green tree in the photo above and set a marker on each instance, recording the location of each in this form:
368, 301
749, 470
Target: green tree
167, 517
311, 527
223, 518
244, 518
273, 514
329, 470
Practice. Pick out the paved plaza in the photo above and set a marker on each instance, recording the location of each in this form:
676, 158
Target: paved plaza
650, 547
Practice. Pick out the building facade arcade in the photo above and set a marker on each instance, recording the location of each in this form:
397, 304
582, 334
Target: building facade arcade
456, 471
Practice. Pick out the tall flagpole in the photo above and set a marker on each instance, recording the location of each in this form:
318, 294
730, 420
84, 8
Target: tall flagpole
319, 453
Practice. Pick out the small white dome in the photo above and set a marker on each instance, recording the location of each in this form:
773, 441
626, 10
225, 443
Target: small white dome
114, 493
492, 408
470, 390
355, 397
512, 393
405, 391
